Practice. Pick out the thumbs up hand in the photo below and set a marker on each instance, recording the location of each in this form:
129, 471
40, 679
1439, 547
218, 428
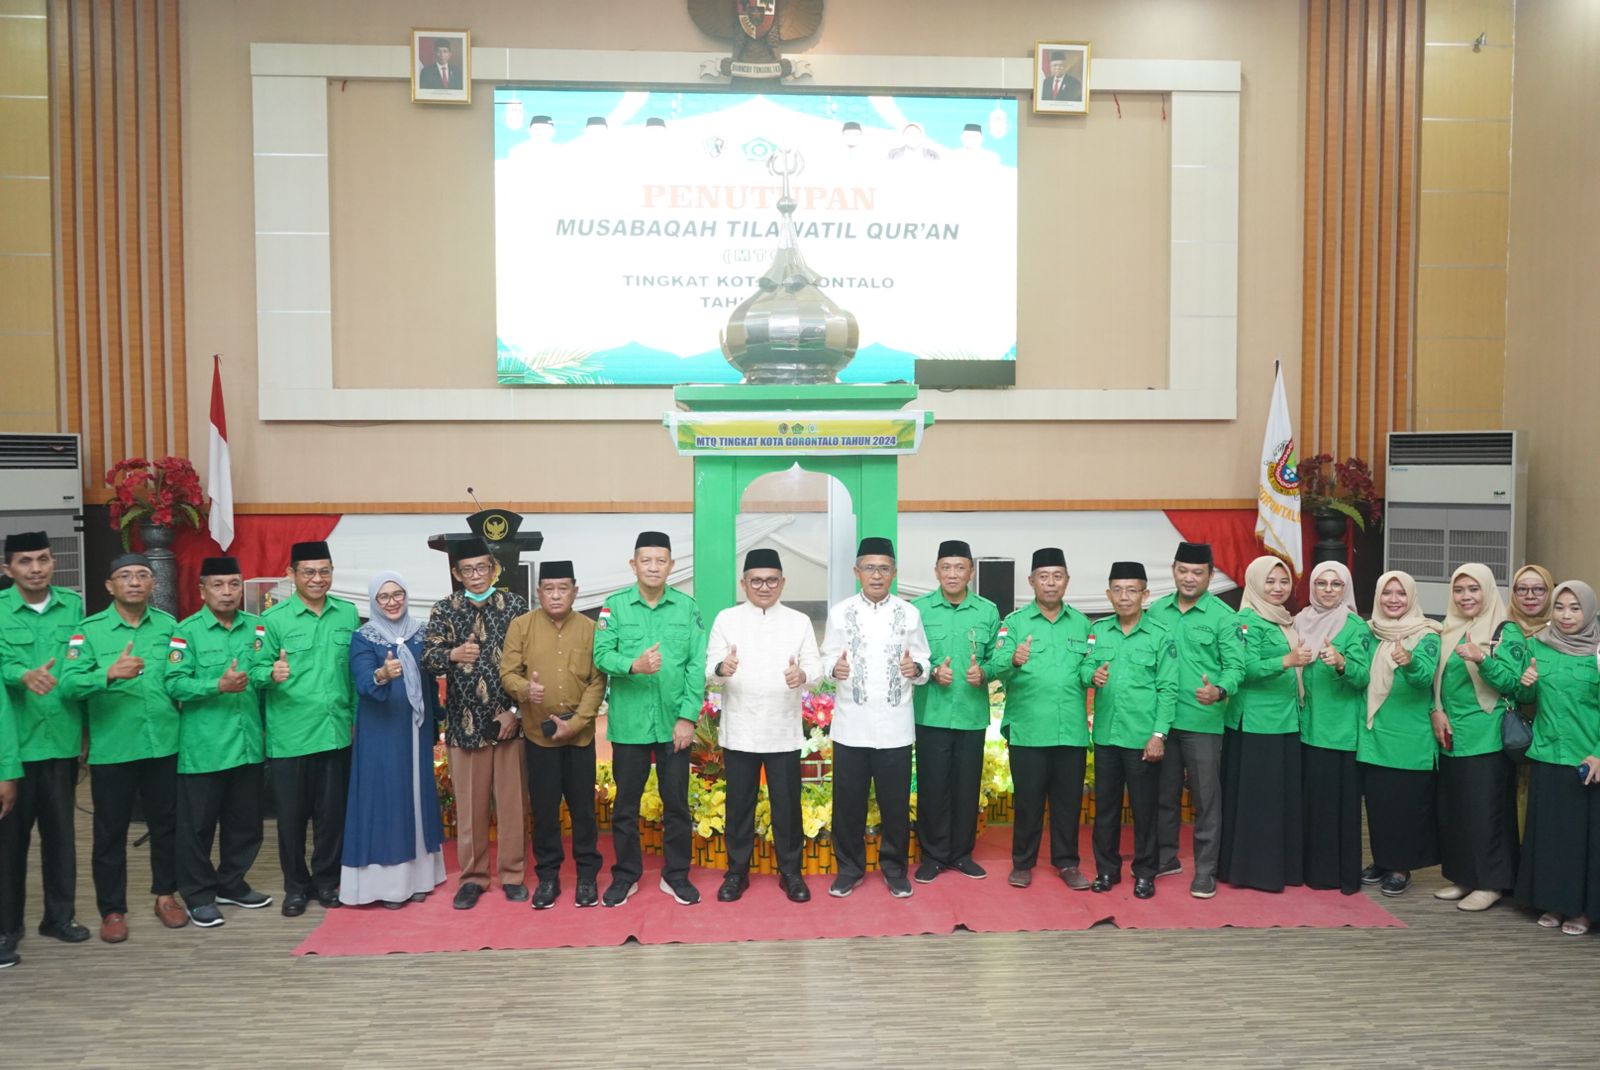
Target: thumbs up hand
392, 669
1402, 656
974, 672
841, 668
792, 676
233, 681
40, 681
1024, 650
466, 653
1331, 656
535, 690
126, 667
1102, 674
943, 675
648, 663
1530, 675
1299, 657
1208, 693
730, 664
908, 667
1470, 651
280, 668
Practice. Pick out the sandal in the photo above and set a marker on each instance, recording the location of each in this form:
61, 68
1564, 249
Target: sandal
1550, 921
1576, 926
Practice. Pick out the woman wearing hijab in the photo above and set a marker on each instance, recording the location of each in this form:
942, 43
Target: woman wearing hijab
1530, 598
1482, 657
1261, 827
1336, 705
1560, 870
392, 826
1395, 748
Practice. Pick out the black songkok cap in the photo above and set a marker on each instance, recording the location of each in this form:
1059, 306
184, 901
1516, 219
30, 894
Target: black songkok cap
221, 566
1193, 553
954, 548
316, 550
122, 561
653, 538
26, 542
1128, 570
1048, 557
762, 557
556, 570
872, 546
461, 549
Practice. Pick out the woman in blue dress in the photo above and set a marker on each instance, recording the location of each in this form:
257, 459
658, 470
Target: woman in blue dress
392, 830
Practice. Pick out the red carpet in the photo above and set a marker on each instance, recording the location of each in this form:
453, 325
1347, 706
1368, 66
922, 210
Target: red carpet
951, 902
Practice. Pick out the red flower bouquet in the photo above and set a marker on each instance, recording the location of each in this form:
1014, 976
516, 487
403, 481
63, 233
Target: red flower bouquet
165, 492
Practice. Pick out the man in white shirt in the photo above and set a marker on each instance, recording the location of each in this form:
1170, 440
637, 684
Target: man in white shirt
763, 654
876, 652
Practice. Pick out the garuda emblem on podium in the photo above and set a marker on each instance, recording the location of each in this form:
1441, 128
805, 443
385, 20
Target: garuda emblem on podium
757, 28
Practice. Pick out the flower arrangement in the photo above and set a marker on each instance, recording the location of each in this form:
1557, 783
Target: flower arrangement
705, 750
1349, 489
165, 492
708, 805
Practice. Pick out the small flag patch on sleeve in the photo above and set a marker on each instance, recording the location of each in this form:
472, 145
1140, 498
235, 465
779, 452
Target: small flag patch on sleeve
75, 647
604, 619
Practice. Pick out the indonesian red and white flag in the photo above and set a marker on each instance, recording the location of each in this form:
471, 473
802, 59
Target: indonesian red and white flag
219, 468
1278, 485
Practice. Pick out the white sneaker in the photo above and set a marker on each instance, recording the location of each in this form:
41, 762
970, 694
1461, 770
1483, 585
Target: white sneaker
1451, 892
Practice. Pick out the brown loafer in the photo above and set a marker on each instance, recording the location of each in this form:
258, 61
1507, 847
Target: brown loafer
1074, 878
114, 928
1020, 878
171, 914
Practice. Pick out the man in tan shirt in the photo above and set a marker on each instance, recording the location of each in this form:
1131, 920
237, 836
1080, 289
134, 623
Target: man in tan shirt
547, 667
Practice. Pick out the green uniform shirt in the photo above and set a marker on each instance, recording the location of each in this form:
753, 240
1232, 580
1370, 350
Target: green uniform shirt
645, 707
129, 720
216, 730
1401, 736
1268, 702
48, 726
1142, 689
315, 709
956, 632
1567, 727
1336, 705
10, 755
1209, 647
1046, 704
1472, 730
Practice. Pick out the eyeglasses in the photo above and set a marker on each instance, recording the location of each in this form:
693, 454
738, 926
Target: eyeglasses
392, 599
315, 573
475, 570
875, 570
1329, 585
1541, 589
763, 583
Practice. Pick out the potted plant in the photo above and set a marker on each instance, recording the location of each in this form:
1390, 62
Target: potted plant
156, 497
1335, 494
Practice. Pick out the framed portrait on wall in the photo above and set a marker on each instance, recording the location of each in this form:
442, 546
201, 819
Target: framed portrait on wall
1061, 78
441, 66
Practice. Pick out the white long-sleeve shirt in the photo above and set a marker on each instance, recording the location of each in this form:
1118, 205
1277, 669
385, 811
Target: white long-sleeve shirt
760, 711
873, 707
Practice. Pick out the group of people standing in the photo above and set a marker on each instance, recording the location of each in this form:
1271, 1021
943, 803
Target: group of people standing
1279, 725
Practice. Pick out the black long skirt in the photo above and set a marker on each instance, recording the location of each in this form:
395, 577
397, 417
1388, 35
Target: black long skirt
1331, 803
1401, 823
1262, 833
1560, 869
1478, 821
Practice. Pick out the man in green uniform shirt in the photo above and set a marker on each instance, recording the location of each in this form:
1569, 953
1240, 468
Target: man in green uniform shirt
219, 745
952, 715
651, 644
115, 664
36, 620
1210, 668
10, 773
1037, 657
1133, 667
303, 667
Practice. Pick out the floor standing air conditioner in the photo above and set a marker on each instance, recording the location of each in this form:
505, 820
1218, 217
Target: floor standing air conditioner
1455, 497
41, 489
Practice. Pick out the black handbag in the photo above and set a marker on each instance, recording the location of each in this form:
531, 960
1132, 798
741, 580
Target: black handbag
1516, 735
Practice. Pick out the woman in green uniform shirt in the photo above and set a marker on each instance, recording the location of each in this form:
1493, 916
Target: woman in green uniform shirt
1261, 825
1530, 599
1336, 704
1560, 870
1482, 655
1395, 747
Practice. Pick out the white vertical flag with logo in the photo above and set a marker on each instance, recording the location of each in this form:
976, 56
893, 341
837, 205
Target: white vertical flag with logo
219, 466
1278, 485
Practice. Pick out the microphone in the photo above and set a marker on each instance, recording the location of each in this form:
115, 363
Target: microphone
475, 500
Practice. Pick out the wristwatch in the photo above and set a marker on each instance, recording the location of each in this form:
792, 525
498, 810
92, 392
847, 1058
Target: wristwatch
1160, 735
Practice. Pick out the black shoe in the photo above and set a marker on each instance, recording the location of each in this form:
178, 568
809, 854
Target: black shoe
1170, 869
588, 893
329, 898
467, 896
1373, 874
733, 886
8, 958
1203, 887
1103, 883
251, 900
968, 868
417, 897
8, 942
517, 893
391, 905
620, 892
794, 886
899, 887
294, 904
686, 894
843, 885
927, 871
206, 915
1396, 883
549, 890
1144, 887
66, 931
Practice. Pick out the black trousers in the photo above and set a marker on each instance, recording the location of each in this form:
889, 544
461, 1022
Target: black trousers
230, 798
949, 774
856, 771
311, 789
44, 796
112, 787
630, 762
783, 795
1116, 768
1039, 774
556, 773
1200, 754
